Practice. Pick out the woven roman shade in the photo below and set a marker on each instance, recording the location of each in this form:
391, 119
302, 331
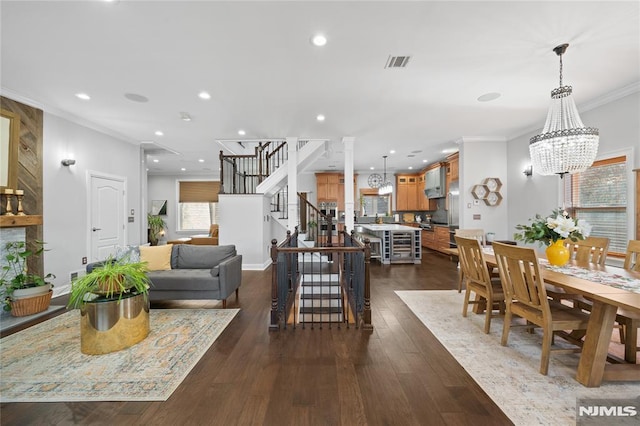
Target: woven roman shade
199, 191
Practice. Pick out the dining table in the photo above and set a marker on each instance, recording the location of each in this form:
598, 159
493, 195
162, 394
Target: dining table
608, 288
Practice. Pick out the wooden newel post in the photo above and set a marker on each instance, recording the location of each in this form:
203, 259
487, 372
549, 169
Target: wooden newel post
221, 190
275, 324
366, 312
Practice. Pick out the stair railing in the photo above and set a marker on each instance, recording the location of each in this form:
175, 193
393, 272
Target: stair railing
289, 265
241, 174
319, 223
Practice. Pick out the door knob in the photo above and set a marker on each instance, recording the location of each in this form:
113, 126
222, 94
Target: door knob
96, 229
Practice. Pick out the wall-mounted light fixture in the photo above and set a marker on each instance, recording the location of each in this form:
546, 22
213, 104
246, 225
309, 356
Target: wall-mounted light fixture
528, 171
68, 162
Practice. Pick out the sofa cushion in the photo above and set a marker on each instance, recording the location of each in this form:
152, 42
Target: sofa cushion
183, 280
202, 257
131, 253
158, 258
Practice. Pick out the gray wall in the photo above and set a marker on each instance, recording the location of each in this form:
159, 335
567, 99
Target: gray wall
619, 133
65, 191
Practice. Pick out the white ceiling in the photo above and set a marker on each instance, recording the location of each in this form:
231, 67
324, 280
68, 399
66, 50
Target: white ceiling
265, 77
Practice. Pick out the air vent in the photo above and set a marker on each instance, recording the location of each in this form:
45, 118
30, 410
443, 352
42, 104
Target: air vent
155, 149
397, 61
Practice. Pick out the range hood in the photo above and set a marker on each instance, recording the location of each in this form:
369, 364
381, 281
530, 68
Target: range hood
435, 182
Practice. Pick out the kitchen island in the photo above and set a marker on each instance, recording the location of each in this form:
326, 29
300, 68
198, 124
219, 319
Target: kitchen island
398, 243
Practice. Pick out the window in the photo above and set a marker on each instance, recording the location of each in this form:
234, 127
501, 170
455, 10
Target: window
197, 205
599, 196
376, 205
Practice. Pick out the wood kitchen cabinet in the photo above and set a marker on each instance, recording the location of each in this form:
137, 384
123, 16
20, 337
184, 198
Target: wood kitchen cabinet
330, 187
442, 237
429, 239
406, 198
453, 169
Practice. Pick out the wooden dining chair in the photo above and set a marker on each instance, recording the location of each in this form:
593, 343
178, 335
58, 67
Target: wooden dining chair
477, 280
526, 297
477, 234
629, 321
589, 250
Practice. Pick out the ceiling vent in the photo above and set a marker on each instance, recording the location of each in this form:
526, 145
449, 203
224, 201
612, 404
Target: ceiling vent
397, 61
155, 149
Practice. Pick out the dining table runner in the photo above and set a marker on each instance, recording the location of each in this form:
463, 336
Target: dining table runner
600, 277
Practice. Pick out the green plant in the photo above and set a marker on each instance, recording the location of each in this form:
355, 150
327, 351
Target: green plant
14, 274
558, 226
156, 226
112, 277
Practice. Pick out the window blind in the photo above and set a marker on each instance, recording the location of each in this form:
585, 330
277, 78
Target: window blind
599, 196
198, 191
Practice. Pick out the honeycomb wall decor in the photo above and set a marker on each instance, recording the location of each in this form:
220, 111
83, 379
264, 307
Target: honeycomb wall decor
488, 191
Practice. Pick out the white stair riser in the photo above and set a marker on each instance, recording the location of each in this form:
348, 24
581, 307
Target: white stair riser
320, 290
325, 303
325, 278
320, 318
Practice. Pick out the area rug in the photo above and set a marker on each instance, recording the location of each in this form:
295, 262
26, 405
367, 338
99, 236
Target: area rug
509, 375
44, 364
7, 321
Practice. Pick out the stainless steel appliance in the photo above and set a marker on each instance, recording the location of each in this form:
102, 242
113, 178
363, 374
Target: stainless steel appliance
330, 209
454, 211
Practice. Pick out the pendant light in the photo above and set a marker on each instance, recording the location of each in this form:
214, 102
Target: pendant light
565, 145
386, 187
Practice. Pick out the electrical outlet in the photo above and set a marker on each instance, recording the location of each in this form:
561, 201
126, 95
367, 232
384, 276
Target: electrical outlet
84, 260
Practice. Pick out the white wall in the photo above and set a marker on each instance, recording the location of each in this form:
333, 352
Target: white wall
65, 193
619, 125
481, 159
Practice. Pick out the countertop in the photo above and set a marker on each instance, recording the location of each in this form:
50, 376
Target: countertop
386, 227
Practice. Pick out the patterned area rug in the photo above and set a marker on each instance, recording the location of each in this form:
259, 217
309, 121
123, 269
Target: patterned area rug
44, 364
509, 375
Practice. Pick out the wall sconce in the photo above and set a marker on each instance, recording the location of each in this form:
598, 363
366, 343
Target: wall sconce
528, 171
68, 162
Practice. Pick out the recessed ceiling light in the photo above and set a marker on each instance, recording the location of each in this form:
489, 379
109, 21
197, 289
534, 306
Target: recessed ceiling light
183, 169
204, 95
410, 167
242, 132
156, 160
159, 133
184, 116
372, 168
320, 117
449, 150
425, 160
489, 97
136, 98
318, 40
393, 151
201, 160
83, 96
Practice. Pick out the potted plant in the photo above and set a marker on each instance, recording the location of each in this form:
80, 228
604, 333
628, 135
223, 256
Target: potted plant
23, 293
109, 279
156, 227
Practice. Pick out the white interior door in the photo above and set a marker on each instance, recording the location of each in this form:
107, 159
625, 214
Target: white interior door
107, 227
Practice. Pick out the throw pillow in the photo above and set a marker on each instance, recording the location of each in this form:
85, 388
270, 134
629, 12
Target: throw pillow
130, 253
158, 258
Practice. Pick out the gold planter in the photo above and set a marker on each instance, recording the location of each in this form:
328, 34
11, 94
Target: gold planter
112, 325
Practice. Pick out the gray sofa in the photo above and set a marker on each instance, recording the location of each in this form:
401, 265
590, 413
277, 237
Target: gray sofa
198, 272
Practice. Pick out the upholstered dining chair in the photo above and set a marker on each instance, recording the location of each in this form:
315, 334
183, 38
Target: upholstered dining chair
589, 250
526, 297
478, 280
478, 234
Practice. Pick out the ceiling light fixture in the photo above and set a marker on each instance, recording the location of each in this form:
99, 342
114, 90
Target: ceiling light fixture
201, 160
386, 187
565, 145
184, 116
155, 160
159, 133
83, 96
320, 117
242, 132
204, 95
319, 40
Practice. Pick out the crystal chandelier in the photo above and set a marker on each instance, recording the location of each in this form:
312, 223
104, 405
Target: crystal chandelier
565, 145
386, 187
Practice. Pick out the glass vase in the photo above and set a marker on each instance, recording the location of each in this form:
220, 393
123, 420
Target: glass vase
558, 254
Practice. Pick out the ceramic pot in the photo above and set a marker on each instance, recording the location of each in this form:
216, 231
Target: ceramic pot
558, 254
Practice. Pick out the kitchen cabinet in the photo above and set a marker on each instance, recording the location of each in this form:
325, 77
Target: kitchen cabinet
442, 237
453, 169
330, 187
429, 239
406, 198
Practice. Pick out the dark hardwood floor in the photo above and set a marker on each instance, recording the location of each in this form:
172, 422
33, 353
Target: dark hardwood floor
399, 374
